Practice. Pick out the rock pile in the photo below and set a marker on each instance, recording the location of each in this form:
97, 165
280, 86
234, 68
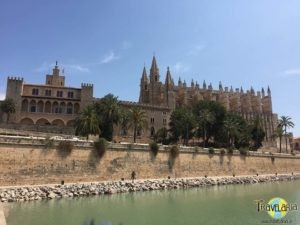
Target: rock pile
31, 193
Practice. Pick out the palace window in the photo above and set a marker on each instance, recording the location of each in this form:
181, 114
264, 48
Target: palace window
152, 132
70, 94
33, 108
164, 121
69, 110
48, 92
152, 120
59, 94
35, 91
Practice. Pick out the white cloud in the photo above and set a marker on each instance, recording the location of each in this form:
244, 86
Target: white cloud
292, 72
196, 49
180, 67
78, 68
109, 57
47, 67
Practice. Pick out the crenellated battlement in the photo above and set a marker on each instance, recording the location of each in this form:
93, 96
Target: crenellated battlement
15, 79
86, 85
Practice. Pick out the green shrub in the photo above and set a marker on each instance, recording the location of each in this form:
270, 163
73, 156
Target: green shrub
222, 152
49, 143
65, 148
230, 150
154, 148
244, 151
100, 147
211, 150
174, 151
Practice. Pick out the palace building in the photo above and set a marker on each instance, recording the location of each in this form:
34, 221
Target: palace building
54, 105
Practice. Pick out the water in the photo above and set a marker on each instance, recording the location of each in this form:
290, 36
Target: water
230, 205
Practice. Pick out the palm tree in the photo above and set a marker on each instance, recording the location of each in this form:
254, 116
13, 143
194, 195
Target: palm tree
205, 118
278, 133
231, 127
108, 111
124, 120
286, 122
138, 121
257, 132
8, 106
87, 122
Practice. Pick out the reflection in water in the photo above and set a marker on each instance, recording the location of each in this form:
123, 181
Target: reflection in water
231, 204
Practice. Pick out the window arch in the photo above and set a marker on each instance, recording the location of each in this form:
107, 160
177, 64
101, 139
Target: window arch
24, 107
47, 107
152, 131
32, 106
40, 106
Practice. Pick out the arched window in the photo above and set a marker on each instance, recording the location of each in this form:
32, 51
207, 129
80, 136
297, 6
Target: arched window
40, 106
55, 107
69, 108
32, 106
24, 105
62, 108
152, 131
47, 107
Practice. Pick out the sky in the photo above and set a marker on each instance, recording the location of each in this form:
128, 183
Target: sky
107, 42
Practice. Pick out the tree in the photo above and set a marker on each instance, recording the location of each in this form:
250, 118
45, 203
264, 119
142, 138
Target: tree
161, 136
182, 124
138, 121
8, 106
286, 122
124, 121
209, 116
236, 131
87, 122
108, 112
278, 133
257, 132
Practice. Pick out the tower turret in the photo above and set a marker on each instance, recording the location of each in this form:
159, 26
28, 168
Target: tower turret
169, 82
154, 71
220, 86
144, 87
204, 84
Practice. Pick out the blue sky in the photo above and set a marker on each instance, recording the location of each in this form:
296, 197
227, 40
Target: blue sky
241, 43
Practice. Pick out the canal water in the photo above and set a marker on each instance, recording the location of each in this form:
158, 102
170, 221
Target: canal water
217, 205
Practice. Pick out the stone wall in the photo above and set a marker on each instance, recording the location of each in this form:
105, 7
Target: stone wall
29, 164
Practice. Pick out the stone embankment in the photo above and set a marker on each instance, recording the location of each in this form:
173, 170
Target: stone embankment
31, 193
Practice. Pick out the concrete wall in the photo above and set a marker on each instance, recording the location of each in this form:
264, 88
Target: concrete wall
37, 165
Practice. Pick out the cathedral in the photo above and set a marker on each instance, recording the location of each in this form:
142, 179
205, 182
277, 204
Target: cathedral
246, 103
53, 106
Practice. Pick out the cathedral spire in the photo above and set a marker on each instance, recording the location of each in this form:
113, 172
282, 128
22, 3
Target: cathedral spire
154, 72
269, 91
169, 80
263, 92
144, 75
220, 86
204, 84
242, 91
179, 82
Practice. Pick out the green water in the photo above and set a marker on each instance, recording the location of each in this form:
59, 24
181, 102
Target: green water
230, 205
